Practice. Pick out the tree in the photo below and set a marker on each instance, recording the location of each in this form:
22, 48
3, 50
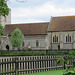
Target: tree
65, 59
4, 10
16, 38
1, 30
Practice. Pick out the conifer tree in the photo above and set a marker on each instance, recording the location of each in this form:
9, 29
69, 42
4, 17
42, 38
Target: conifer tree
16, 38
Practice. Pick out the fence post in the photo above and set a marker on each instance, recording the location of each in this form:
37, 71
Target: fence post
16, 66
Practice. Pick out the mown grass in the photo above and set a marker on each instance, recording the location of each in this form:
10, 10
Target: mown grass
55, 72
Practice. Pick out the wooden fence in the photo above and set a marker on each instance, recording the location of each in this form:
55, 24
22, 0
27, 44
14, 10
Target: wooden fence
29, 64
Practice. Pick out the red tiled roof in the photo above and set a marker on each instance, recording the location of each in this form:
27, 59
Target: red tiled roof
65, 23
28, 29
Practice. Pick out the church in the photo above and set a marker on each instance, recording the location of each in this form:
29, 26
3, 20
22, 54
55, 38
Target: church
59, 33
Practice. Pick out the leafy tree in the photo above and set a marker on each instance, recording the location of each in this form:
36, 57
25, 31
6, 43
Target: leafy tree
64, 59
1, 30
16, 38
72, 53
4, 10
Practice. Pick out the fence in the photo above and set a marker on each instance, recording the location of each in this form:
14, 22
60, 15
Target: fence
29, 64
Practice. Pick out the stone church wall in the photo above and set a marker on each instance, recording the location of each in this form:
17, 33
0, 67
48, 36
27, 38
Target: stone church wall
4, 42
44, 41
65, 44
62, 40
30, 41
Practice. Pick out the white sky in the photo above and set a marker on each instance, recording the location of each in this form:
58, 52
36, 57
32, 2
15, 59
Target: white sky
40, 10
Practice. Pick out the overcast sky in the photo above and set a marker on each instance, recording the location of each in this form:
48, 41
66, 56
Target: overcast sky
40, 10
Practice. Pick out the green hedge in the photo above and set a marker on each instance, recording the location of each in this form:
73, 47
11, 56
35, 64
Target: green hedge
57, 52
31, 53
23, 53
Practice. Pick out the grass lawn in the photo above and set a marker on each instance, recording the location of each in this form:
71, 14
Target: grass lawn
55, 72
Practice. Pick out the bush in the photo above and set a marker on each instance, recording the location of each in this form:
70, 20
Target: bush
69, 73
32, 53
27, 53
57, 52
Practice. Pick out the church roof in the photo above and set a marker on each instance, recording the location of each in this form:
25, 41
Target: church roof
28, 29
65, 23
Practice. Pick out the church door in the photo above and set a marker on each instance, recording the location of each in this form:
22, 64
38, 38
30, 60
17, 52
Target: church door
58, 47
7, 47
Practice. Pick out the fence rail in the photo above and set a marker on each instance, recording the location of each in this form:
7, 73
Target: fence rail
29, 64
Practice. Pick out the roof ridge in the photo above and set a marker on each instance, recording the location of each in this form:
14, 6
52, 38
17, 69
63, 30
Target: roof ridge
28, 23
62, 16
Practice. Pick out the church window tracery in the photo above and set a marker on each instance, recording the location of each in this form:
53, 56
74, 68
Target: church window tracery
55, 38
68, 38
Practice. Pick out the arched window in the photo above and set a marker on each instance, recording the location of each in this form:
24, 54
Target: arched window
55, 38
37, 43
68, 38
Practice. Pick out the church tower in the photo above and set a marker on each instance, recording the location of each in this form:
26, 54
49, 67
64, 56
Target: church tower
6, 20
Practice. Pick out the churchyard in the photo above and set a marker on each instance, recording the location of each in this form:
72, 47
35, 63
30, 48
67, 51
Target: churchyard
35, 62
43, 48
